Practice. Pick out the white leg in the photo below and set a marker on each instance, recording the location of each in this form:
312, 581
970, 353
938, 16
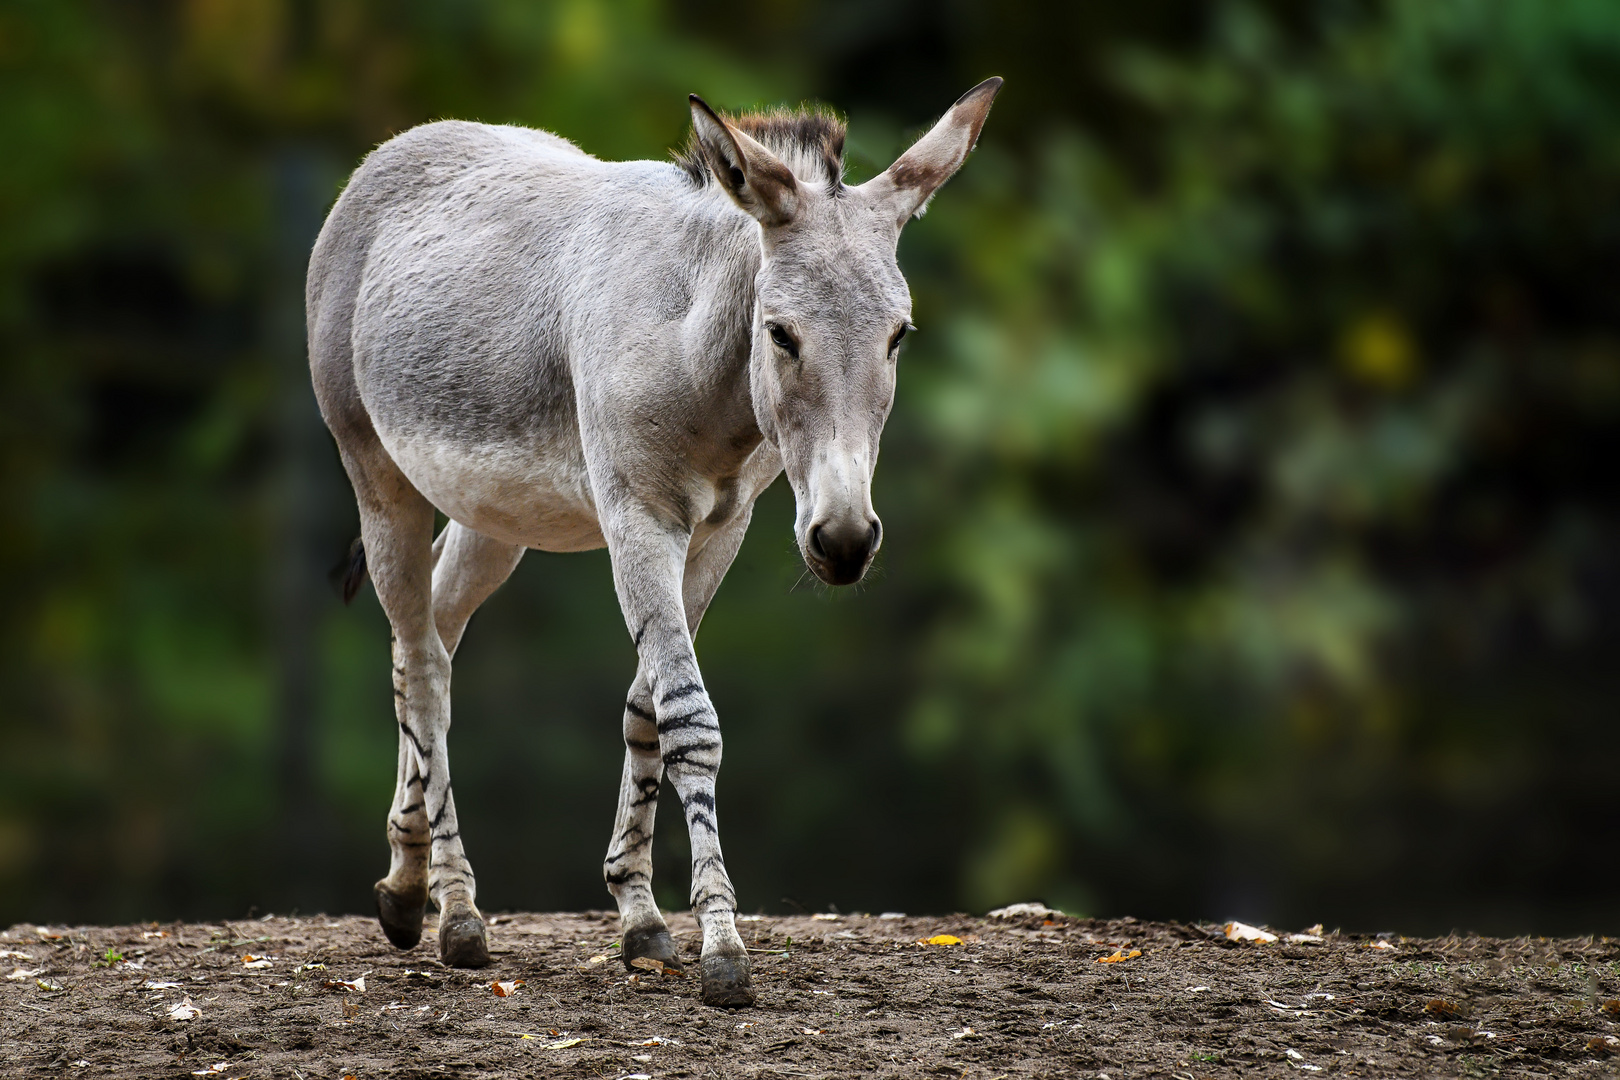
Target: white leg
651, 573
396, 526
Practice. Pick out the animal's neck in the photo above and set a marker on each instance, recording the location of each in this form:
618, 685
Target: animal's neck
718, 328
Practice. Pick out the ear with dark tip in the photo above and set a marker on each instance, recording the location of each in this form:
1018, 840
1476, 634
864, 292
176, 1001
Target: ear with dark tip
907, 185
754, 177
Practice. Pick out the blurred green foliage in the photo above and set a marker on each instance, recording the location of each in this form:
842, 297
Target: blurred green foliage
1247, 552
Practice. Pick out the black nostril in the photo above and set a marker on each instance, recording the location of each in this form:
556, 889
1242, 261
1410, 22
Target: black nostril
815, 543
875, 539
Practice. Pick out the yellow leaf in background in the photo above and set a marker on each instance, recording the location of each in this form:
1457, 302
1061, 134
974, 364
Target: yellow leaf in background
1378, 349
505, 989
942, 939
563, 1044
1119, 955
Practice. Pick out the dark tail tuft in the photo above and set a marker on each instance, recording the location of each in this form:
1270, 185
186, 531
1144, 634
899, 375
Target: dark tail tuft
348, 575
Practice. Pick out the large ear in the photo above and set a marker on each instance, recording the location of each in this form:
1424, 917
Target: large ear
753, 176
908, 184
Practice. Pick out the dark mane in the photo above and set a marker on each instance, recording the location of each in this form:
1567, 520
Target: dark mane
808, 140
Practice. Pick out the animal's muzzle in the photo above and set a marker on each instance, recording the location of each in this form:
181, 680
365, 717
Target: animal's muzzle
840, 551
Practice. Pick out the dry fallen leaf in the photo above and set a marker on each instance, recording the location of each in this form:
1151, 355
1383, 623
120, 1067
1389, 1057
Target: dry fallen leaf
213, 1070
1236, 931
505, 989
185, 1010
48, 935
647, 963
21, 973
1380, 944
825, 916
351, 1009
1611, 1007
598, 959
813, 1031
251, 961
942, 939
965, 1033
9, 954
151, 984
353, 986
1445, 1010
1119, 956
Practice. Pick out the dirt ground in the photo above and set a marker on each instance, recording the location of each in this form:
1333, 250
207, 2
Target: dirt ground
838, 996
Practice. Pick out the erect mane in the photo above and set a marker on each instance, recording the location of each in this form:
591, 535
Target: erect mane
808, 140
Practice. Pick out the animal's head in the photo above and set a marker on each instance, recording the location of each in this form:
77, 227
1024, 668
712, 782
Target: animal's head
831, 305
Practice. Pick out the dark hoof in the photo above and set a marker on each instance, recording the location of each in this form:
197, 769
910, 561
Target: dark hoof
725, 981
462, 943
400, 916
654, 943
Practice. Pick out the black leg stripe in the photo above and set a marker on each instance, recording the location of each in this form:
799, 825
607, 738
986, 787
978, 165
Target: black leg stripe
685, 690
702, 720
636, 710
683, 755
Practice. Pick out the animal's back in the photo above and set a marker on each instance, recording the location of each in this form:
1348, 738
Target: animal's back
437, 307
422, 174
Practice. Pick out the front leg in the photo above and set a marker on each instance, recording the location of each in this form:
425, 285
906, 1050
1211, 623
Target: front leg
628, 868
649, 565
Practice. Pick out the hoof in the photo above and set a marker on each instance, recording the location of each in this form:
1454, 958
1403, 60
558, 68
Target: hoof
462, 942
655, 944
400, 916
726, 983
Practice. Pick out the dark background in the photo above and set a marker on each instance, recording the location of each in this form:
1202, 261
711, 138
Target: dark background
1249, 548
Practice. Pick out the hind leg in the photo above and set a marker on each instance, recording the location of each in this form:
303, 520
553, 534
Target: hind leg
396, 526
467, 568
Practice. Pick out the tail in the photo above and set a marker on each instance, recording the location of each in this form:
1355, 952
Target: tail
350, 573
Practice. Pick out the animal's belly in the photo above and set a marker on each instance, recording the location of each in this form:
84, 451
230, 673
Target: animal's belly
515, 495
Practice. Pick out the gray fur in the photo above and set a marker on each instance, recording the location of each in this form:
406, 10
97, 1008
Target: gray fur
563, 353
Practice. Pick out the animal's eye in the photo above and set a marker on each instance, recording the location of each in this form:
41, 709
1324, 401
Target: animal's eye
784, 340
894, 342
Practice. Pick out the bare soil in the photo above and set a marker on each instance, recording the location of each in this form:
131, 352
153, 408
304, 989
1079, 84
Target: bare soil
845, 996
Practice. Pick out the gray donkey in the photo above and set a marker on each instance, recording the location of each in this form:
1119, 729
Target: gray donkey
564, 353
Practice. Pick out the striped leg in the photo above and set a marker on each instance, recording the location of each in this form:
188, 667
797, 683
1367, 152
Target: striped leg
402, 896
628, 869
396, 527
663, 595
467, 568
